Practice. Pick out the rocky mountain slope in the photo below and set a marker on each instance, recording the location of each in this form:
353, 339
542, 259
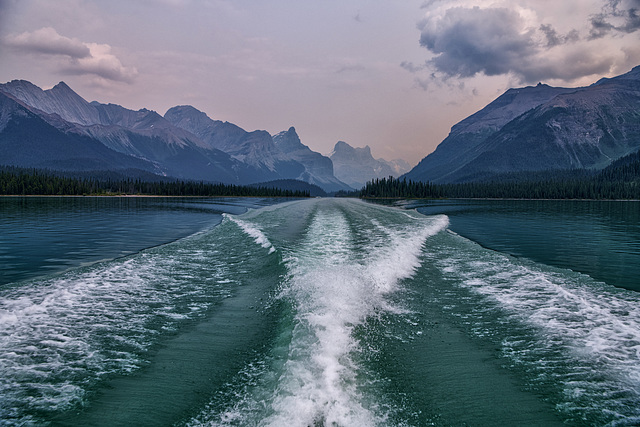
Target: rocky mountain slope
541, 128
282, 153
27, 140
318, 169
184, 144
356, 166
141, 135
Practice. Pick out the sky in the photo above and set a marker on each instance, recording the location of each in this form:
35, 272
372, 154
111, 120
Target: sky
394, 75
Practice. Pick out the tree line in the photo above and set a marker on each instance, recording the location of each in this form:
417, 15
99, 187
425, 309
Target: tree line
18, 181
597, 189
620, 180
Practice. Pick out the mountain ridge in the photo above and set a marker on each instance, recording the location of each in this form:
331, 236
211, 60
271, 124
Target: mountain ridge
30, 141
319, 169
283, 152
356, 165
540, 127
185, 143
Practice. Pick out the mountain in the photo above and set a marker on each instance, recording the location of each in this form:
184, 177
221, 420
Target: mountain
318, 169
142, 135
282, 156
252, 148
60, 100
27, 140
540, 128
356, 166
184, 143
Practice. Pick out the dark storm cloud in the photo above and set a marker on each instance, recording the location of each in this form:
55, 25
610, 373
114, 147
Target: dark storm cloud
493, 41
616, 15
555, 39
469, 41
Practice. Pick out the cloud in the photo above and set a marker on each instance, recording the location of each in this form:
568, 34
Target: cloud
47, 41
72, 56
101, 62
555, 39
616, 16
411, 67
494, 38
469, 41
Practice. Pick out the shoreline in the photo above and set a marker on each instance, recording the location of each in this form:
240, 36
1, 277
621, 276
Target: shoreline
500, 199
148, 196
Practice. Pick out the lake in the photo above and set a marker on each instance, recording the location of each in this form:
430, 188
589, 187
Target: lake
599, 238
235, 312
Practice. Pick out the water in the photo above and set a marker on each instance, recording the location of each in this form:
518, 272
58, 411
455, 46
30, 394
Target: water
599, 238
317, 312
42, 235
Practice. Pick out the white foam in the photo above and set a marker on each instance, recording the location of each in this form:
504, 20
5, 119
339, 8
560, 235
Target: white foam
252, 231
335, 284
62, 335
397, 255
594, 326
331, 297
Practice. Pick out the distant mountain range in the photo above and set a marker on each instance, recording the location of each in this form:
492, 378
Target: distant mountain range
356, 166
59, 130
540, 128
525, 130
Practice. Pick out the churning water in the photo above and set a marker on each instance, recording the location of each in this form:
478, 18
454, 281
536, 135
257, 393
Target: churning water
319, 312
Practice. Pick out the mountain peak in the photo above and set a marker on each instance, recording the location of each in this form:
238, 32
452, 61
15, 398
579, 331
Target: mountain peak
190, 118
633, 74
341, 146
288, 140
287, 134
356, 166
183, 109
61, 85
60, 100
539, 128
22, 90
21, 83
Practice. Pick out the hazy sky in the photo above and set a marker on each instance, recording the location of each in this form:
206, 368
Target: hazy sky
395, 75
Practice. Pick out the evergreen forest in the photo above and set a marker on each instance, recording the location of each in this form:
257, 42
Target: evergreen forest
18, 181
618, 181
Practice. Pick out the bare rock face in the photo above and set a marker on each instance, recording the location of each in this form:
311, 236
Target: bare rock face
184, 144
255, 149
28, 140
356, 166
141, 139
540, 128
60, 100
318, 169
283, 155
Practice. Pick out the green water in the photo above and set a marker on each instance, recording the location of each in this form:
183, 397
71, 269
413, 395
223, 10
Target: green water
325, 312
599, 238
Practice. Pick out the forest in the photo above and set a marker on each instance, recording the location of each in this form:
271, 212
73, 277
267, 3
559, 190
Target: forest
618, 181
18, 181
